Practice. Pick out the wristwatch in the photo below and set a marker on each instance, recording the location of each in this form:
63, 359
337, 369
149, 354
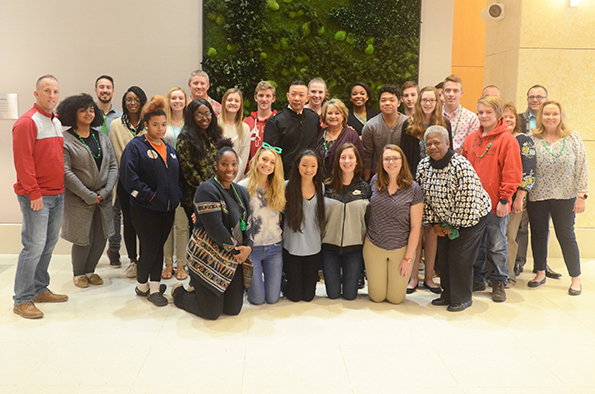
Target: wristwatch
503, 201
409, 261
584, 196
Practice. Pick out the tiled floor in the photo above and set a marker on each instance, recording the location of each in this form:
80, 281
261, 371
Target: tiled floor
107, 340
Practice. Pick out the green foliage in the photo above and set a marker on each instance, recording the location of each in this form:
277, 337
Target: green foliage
342, 41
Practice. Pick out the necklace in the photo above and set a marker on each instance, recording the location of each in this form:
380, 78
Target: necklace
561, 150
457, 126
326, 142
97, 142
243, 225
487, 149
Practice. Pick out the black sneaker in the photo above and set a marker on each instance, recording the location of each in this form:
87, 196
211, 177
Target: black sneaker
114, 258
158, 299
162, 289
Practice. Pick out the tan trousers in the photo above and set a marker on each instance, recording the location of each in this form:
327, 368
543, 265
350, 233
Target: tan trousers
180, 229
384, 276
514, 221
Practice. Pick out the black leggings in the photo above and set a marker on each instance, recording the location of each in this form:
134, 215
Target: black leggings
302, 274
153, 230
203, 302
129, 231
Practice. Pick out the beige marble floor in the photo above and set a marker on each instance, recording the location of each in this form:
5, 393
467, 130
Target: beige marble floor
107, 340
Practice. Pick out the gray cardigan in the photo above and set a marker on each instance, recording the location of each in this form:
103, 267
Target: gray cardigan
82, 183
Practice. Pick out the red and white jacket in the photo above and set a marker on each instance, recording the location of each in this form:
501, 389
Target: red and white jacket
37, 144
256, 133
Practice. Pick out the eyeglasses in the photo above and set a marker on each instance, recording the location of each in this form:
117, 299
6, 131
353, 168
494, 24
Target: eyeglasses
533, 98
275, 148
428, 101
391, 159
133, 101
200, 116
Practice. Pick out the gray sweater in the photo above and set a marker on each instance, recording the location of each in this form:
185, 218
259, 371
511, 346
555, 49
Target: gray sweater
82, 183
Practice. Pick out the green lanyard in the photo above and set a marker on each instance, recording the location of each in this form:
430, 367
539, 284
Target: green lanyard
243, 225
104, 125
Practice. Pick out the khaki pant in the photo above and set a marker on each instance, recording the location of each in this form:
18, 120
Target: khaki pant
384, 276
514, 222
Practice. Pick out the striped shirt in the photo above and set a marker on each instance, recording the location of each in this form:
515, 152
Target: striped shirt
390, 215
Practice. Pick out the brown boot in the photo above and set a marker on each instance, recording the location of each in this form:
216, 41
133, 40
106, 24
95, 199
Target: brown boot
498, 293
28, 310
48, 296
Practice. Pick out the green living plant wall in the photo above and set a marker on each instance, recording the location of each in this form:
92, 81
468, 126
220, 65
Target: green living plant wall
341, 41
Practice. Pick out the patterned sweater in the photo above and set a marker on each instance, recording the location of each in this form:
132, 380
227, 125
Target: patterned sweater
452, 191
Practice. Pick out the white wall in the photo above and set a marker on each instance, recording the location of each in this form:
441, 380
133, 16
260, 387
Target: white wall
149, 43
435, 47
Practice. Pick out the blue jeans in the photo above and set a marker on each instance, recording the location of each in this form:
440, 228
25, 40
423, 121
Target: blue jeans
350, 263
40, 232
267, 260
115, 240
495, 234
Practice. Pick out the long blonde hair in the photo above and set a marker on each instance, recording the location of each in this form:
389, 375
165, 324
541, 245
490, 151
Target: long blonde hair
238, 119
275, 190
562, 130
417, 121
168, 108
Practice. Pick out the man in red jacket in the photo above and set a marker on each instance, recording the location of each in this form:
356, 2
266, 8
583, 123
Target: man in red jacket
39, 162
264, 95
496, 157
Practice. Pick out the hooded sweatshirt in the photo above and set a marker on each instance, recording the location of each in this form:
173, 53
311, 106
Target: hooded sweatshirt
496, 158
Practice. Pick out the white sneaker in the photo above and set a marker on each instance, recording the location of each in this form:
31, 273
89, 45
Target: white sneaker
131, 271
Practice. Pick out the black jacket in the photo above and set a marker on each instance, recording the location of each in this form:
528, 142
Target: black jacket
293, 133
152, 183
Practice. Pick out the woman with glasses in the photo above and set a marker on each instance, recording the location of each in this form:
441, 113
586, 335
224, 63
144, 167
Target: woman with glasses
560, 191
197, 148
394, 227
122, 131
427, 112
337, 133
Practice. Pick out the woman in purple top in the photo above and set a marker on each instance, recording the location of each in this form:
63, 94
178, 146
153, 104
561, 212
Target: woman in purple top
337, 133
394, 227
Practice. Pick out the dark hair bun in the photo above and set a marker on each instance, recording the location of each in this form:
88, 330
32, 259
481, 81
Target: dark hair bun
156, 104
224, 143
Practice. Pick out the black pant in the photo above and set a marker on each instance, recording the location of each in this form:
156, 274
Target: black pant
203, 302
301, 273
153, 229
85, 258
129, 231
455, 260
189, 212
522, 240
563, 216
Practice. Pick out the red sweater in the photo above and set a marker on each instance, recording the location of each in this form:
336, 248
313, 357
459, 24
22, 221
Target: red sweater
37, 145
256, 133
500, 169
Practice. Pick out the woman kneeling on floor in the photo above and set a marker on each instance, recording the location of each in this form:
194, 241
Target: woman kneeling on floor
220, 244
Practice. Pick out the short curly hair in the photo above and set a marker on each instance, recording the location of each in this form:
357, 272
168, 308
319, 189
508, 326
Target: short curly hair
69, 107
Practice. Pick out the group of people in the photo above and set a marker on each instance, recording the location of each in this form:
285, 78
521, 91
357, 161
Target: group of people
261, 204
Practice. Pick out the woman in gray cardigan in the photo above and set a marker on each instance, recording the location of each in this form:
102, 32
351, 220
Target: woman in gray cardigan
90, 173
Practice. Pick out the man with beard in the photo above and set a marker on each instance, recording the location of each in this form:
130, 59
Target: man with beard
104, 89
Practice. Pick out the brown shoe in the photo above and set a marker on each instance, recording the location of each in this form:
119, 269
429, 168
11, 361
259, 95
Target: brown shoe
81, 281
498, 293
48, 296
95, 279
28, 310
